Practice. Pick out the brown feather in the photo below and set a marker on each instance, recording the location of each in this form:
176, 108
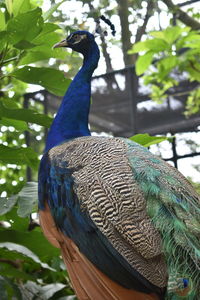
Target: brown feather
88, 282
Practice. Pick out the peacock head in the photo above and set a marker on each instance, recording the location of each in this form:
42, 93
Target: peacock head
81, 40
78, 41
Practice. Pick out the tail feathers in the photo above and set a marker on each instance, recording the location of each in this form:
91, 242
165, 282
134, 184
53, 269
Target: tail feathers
88, 282
180, 233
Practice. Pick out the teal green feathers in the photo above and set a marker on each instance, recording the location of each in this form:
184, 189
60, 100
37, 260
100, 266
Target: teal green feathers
174, 208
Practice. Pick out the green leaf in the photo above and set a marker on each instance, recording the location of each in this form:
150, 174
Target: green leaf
3, 38
9, 6
192, 37
3, 284
146, 140
2, 21
41, 53
26, 115
47, 28
25, 26
43, 46
6, 204
51, 79
195, 44
193, 103
170, 34
157, 34
18, 125
47, 40
9, 103
44, 292
43, 49
27, 199
143, 62
24, 251
194, 73
8, 289
49, 290
156, 45
138, 47
20, 6
19, 156
169, 62
165, 66
33, 240
16, 224
53, 8
23, 44
10, 271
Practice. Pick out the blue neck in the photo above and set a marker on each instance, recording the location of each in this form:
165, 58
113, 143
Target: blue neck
71, 120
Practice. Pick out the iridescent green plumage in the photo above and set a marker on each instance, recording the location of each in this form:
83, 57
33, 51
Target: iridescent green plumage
174, 208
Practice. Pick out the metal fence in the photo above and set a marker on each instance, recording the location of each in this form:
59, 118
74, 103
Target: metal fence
121, 105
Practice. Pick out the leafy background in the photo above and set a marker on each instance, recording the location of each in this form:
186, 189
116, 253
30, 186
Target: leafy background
30, 268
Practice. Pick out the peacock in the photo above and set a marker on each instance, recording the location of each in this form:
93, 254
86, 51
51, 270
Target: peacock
127, 223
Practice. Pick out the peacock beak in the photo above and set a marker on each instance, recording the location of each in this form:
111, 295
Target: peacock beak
61, 44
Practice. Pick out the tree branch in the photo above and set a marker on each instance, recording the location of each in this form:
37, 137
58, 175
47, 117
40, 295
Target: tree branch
104, 45
15, 263
106, 54
126, 34
141, 30
181, 15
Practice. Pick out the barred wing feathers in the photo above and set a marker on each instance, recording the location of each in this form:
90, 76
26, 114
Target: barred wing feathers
123, 206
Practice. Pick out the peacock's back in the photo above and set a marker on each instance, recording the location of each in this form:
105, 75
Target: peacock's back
130, 213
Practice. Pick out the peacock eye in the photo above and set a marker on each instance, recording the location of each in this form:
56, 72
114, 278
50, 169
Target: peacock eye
75, 37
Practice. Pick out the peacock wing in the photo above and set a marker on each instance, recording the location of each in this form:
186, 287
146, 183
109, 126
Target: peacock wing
96, 202
113, 198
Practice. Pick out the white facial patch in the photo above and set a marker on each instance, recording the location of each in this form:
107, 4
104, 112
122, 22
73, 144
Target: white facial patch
77, 38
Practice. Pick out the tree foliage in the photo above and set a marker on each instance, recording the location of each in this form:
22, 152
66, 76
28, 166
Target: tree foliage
167, 56
30, 268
